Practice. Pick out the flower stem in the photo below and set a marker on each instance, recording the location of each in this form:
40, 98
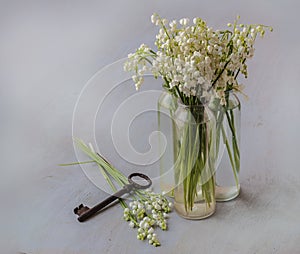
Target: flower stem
230, 156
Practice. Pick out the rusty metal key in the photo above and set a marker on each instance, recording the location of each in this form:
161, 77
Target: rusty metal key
85, 212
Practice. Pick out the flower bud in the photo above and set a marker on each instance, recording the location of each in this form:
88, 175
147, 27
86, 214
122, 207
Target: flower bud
131, 224
150, 230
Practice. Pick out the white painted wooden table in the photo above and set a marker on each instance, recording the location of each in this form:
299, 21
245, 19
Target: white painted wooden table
49, 49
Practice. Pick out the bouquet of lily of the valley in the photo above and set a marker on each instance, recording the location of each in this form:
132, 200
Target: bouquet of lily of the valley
199, 66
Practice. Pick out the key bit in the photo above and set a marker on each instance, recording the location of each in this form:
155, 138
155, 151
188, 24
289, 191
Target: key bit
81, 209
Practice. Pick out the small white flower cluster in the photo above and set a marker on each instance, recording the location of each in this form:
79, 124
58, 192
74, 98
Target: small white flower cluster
147, 213
138, 63
193, 58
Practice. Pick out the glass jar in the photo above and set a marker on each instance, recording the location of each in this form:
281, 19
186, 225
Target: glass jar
194, 166
228, 129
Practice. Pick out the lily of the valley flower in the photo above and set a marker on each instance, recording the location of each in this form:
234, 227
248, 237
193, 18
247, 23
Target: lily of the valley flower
193, 58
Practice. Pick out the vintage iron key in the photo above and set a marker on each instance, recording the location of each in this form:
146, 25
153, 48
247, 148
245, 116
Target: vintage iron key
85, 212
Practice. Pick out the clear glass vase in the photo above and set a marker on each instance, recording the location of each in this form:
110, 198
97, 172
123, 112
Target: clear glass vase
228, 129
194, 166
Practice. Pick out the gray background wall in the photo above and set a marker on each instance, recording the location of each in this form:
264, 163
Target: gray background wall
48, 51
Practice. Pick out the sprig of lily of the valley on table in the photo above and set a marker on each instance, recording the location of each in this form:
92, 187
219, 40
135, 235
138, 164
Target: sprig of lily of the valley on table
147, 210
